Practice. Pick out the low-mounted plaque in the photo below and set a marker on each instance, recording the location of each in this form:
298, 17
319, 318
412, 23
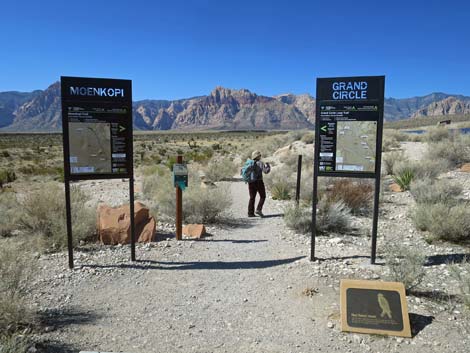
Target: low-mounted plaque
374, 307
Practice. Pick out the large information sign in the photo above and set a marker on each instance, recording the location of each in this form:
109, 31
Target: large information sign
97, 125
349, 119
97, 137
348, 135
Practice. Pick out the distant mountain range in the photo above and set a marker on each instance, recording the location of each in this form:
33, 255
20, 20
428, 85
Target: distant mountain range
222, 109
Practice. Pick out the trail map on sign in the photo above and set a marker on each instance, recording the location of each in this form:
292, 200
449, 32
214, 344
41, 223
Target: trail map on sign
85, 137
355, 145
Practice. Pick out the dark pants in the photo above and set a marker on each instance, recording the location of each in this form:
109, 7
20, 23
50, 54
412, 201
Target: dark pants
256, 187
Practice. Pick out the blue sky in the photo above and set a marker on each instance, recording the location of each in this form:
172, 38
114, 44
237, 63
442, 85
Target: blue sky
177, 49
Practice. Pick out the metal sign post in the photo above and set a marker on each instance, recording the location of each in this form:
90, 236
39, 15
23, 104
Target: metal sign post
97, 137
348, 136
180, 181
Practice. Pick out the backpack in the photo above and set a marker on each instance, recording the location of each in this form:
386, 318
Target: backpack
247, 170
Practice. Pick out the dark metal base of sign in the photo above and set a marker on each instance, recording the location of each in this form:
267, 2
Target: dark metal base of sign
68, 211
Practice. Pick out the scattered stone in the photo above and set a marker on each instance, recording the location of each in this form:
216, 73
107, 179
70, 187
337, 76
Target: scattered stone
465, 168
330, 324
394, 187
195, 231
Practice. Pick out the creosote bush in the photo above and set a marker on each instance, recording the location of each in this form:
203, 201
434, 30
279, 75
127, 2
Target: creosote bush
390, 159
455, 151
44, 215
437, 134
405, 264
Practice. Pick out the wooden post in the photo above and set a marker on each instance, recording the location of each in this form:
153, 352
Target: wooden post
179, 206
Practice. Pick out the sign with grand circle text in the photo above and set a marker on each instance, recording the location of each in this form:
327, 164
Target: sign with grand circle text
349, 119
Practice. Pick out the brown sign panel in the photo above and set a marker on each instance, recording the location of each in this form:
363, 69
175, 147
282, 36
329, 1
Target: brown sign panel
374, 307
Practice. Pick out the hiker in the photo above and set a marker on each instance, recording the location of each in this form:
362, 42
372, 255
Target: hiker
252, 173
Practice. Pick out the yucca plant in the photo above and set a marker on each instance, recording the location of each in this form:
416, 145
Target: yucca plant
404, 179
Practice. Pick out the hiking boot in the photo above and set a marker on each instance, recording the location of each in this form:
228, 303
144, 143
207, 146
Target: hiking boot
259, 213
251, 215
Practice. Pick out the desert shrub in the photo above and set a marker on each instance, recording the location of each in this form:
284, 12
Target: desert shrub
427, 168
396, 135
200, 204
454, 151
462, 276
6, 176
298, 218
280, 190
44, 214
220, 168
356, 195
9, 214
404, 177
405, 264
437, 134
389, 144
16, 269
333, 217
391, 159
14, 343
444, 221
308, 138
434, 191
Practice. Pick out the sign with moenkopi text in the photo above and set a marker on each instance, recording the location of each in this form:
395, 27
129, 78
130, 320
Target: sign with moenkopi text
97, 122
374, 307
349, 119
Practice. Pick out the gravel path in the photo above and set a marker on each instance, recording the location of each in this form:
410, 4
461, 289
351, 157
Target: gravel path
249, 287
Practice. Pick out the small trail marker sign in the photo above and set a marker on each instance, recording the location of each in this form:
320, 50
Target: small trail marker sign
374, 307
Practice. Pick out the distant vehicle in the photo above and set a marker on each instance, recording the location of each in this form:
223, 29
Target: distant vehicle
444, 122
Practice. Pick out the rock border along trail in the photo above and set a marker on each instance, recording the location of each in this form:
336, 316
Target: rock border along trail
248, 287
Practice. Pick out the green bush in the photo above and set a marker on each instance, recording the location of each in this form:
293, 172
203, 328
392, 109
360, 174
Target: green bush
444, 221
280, 190
405, 264
44, 214
435, 191
298, 218
6, 176
333, 217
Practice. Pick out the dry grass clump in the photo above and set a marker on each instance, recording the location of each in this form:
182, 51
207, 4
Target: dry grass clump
200, 204
44, 215
437, 134
9, 214
333, 217
462, 276
16, 270
405, 264
356, 195
429, 191
298, 218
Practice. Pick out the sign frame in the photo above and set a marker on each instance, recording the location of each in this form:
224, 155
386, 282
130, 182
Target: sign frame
96, 97
325, 95
377, 286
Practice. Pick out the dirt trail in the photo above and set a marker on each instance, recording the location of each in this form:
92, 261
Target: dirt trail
238, 290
